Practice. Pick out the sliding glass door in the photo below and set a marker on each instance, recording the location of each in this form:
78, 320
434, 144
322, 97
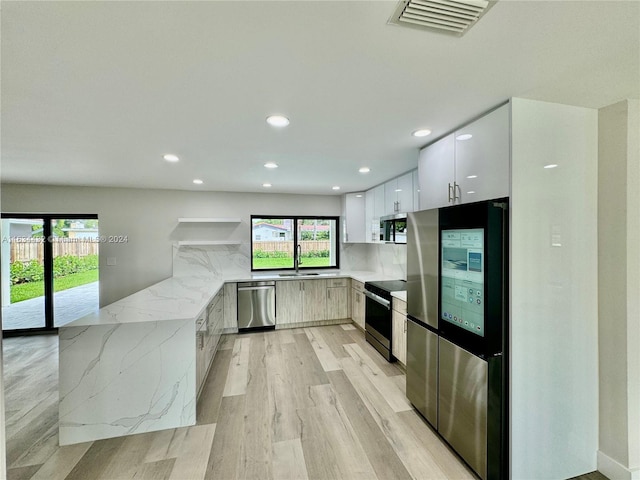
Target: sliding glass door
49, 271
23, 292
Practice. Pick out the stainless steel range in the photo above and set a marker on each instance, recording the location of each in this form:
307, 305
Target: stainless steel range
378, 314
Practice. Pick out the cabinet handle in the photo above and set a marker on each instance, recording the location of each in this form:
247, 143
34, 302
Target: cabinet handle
329, 294
450, 199
456, 186
346, 237
405, 325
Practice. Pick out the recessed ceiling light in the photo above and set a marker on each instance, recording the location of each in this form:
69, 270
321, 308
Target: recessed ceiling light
464, 136
358, 196
278, 121
471, 192
197, 181
398, 189
364, 170
271, 165
266, 185
423, 132
336, 187
551, 165
170, 157
472, 176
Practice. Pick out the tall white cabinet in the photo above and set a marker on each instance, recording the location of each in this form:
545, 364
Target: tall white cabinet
553, 304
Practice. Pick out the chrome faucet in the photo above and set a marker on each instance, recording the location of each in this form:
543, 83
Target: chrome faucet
297, 258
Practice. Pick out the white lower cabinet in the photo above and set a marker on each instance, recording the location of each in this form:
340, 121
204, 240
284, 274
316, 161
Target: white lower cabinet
230, 307
201, 352
209, 327
399, 330
357, 303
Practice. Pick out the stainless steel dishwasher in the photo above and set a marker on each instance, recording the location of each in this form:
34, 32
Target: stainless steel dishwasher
256, 305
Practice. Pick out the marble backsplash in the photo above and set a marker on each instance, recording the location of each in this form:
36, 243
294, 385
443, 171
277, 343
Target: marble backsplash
216, 260
224, 260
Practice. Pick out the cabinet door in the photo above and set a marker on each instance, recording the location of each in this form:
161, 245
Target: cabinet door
231, 307
390, 197
416, 190
357, 307
354, 218
482, 160
369, 213
436, 171
337, 303
314, 304
398, 336
404, 193
378, 195
288, 302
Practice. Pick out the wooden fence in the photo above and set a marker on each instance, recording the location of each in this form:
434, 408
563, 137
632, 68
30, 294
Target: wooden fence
27, 251
306, 246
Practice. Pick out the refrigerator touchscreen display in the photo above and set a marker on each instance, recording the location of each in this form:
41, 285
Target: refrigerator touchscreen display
462, 278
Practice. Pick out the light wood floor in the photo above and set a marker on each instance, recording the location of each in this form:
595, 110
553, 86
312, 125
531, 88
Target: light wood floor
315, 403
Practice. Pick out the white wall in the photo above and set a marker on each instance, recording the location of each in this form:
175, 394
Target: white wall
619, 290
149, 220
554, 324
3, 439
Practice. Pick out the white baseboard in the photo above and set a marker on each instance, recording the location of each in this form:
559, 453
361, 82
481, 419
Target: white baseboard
614, 470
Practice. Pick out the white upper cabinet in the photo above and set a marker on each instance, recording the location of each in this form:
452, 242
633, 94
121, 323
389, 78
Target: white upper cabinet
436, 171
482, 160
469, 165
374, 209
398, 195
354, 220
416, 190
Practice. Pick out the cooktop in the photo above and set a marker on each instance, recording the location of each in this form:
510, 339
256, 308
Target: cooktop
388, 285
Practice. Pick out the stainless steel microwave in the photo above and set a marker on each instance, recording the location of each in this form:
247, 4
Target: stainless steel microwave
393, 228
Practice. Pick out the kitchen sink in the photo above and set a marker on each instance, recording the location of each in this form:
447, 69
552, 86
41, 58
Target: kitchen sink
299, 274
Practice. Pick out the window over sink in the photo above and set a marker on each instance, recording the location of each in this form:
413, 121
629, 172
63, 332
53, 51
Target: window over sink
277, 242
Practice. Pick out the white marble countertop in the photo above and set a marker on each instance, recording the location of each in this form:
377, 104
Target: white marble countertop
401, 295
186, 297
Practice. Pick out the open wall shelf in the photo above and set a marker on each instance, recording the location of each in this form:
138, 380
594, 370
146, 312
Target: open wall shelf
209, 220
182, 243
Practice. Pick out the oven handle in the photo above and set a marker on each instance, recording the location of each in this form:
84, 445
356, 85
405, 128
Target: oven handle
376, 298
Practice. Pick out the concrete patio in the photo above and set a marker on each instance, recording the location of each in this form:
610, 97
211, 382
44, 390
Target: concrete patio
68, 305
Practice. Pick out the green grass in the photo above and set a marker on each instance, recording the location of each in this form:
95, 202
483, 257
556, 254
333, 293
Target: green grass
25, 291
288, 262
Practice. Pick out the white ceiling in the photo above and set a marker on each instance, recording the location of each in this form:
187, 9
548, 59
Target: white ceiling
94, 93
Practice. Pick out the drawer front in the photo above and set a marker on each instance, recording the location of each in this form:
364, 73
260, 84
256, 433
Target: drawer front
400, 306
359, 286
337, 282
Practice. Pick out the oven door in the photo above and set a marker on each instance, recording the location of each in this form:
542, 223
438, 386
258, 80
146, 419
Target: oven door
378, 323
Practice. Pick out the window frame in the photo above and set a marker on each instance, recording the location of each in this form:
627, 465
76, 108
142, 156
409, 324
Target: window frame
295, 219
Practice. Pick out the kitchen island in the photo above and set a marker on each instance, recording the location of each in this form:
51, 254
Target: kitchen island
131, 367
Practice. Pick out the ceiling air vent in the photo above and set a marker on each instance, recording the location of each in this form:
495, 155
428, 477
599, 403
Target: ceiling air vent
454, 17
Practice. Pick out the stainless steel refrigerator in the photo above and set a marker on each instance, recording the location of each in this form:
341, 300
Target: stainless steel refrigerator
457, 328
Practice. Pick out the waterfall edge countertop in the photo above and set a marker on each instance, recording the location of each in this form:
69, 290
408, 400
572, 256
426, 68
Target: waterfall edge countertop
185, 298
131, 367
